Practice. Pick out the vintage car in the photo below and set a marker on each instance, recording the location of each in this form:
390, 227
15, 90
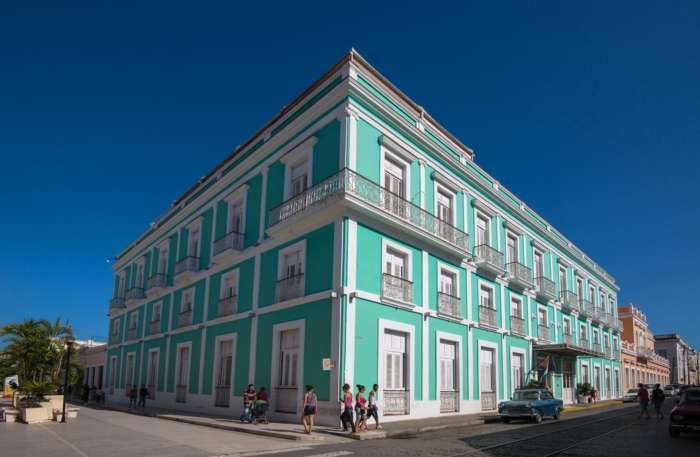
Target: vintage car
685, 416
530, 403
630, 395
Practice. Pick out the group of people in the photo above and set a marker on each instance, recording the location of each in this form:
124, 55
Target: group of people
88, 393
365, 408
255, 404
657, 398
140, 393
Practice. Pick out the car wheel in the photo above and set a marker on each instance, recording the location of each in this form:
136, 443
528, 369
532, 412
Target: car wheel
537, 418
556, 414
506, 420
674, 432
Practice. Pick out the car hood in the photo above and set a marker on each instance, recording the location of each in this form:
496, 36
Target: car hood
686, 409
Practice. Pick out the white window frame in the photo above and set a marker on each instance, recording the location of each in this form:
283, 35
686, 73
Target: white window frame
163, 247
301, 154
240, 195
115, 327
233, 337
512, 235
546, 315
277, 330
493, 346
438, 187
130, 356
563, 269
517, 298
148, 367
235, 276
563, 327
140, 265
479, 214
185, 293
450, 270
159, 305
588, 368
388, 244
409, 330
179, 346
485, 285
195, 225
134, 320
401, 157
538, 252
299, 246
523, 353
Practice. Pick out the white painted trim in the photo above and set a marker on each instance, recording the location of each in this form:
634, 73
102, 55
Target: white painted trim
438, 186
233, 336
401, 159
350, 308
455, 271
187, 344
520, 351
292, 248
302, 154
489, 345
459, 382
352, 140
252, 355
263, 205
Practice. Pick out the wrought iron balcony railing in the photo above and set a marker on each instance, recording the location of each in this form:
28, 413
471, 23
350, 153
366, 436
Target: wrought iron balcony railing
449, 305
157, 281
487, 316
517, 325
568, 339
489, 259
587, 308
232, 241
397, 288
583, 343
520, 275
132, 333
227, 305
290, 287
597, 348
349, 184
154, 327
117, 303
189, 264
135, 293
569, 300
544, 288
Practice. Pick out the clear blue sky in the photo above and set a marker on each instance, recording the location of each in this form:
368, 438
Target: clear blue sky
589, 112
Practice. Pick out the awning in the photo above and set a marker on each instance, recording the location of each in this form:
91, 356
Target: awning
567, 350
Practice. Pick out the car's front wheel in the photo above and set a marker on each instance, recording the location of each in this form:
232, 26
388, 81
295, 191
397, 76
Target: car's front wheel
674, 432
556, 414
506, 420
538, 417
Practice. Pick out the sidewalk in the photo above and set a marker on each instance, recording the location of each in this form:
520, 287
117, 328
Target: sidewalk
293, 431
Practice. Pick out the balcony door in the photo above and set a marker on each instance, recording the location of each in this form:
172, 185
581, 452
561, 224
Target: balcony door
512, 249
444, 207
235, 217
299, 178
182, 374
113, 375
539, 265
287, 382
482, 231
152, 377
224, 373
396, 392
517, 369
130, 362
449, 386
487, 377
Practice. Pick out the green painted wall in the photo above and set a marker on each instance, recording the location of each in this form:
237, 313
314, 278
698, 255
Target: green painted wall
326, 151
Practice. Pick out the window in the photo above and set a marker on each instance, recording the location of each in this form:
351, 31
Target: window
186, 301
607, 341
123, 284
539, 265
512, 248
292, 264
596, 338
486, 297
395, 263
516, 307
193, 247
395, 177
395, 360
579, 288
448, 282
115, 327
152, 373
602, 301
163, 260
225, 364
183, 366
585, 374
139, 275
562, 279
596, 371
130, 359
591, 294
483, 235
229, 285
299, 178
487, 370
583, 333
566, 324
117, 281
156, 312
444, 206
542, 317
517, 368
448, 365
290, 272
133, 321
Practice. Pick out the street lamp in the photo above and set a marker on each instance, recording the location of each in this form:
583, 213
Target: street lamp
69, 344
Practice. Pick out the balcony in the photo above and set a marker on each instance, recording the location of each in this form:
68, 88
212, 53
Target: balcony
157, 281
569, 301
398, 289
186, 267
184, 318
489, 260
520, 276
583, 343
597, 348
449, 305
229, 244
487, 317
134, 294
543, 333
132, 334
619, 326
449, 401
114, 339
227, 306
544, 289
289, 288
347, 188
606, 319
517, 325
117, 303
586, 308
154, 327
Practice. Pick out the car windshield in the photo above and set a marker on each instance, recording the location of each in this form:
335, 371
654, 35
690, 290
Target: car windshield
526, 395
632, 391
690, 397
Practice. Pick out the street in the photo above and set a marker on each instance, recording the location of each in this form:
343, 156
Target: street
100, 433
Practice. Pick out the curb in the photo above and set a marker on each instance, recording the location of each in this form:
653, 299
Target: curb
374, 435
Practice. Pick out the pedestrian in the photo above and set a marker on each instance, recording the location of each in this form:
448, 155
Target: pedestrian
346, 404
657, 397
249, 397
143, 393
643, 396
132, 396
594, 395
372, 408
360, 409
309, 410
261, 405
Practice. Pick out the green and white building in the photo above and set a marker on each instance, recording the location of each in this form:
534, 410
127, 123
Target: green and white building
354, 239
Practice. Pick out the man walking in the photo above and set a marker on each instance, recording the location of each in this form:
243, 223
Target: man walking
143, 393
643, 396
657, 398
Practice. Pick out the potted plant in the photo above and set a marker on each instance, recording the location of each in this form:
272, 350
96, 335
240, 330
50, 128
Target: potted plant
34, 407
583, 392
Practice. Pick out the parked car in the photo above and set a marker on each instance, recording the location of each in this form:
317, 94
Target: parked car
530, 403
670, 391
630, 395
685, 416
